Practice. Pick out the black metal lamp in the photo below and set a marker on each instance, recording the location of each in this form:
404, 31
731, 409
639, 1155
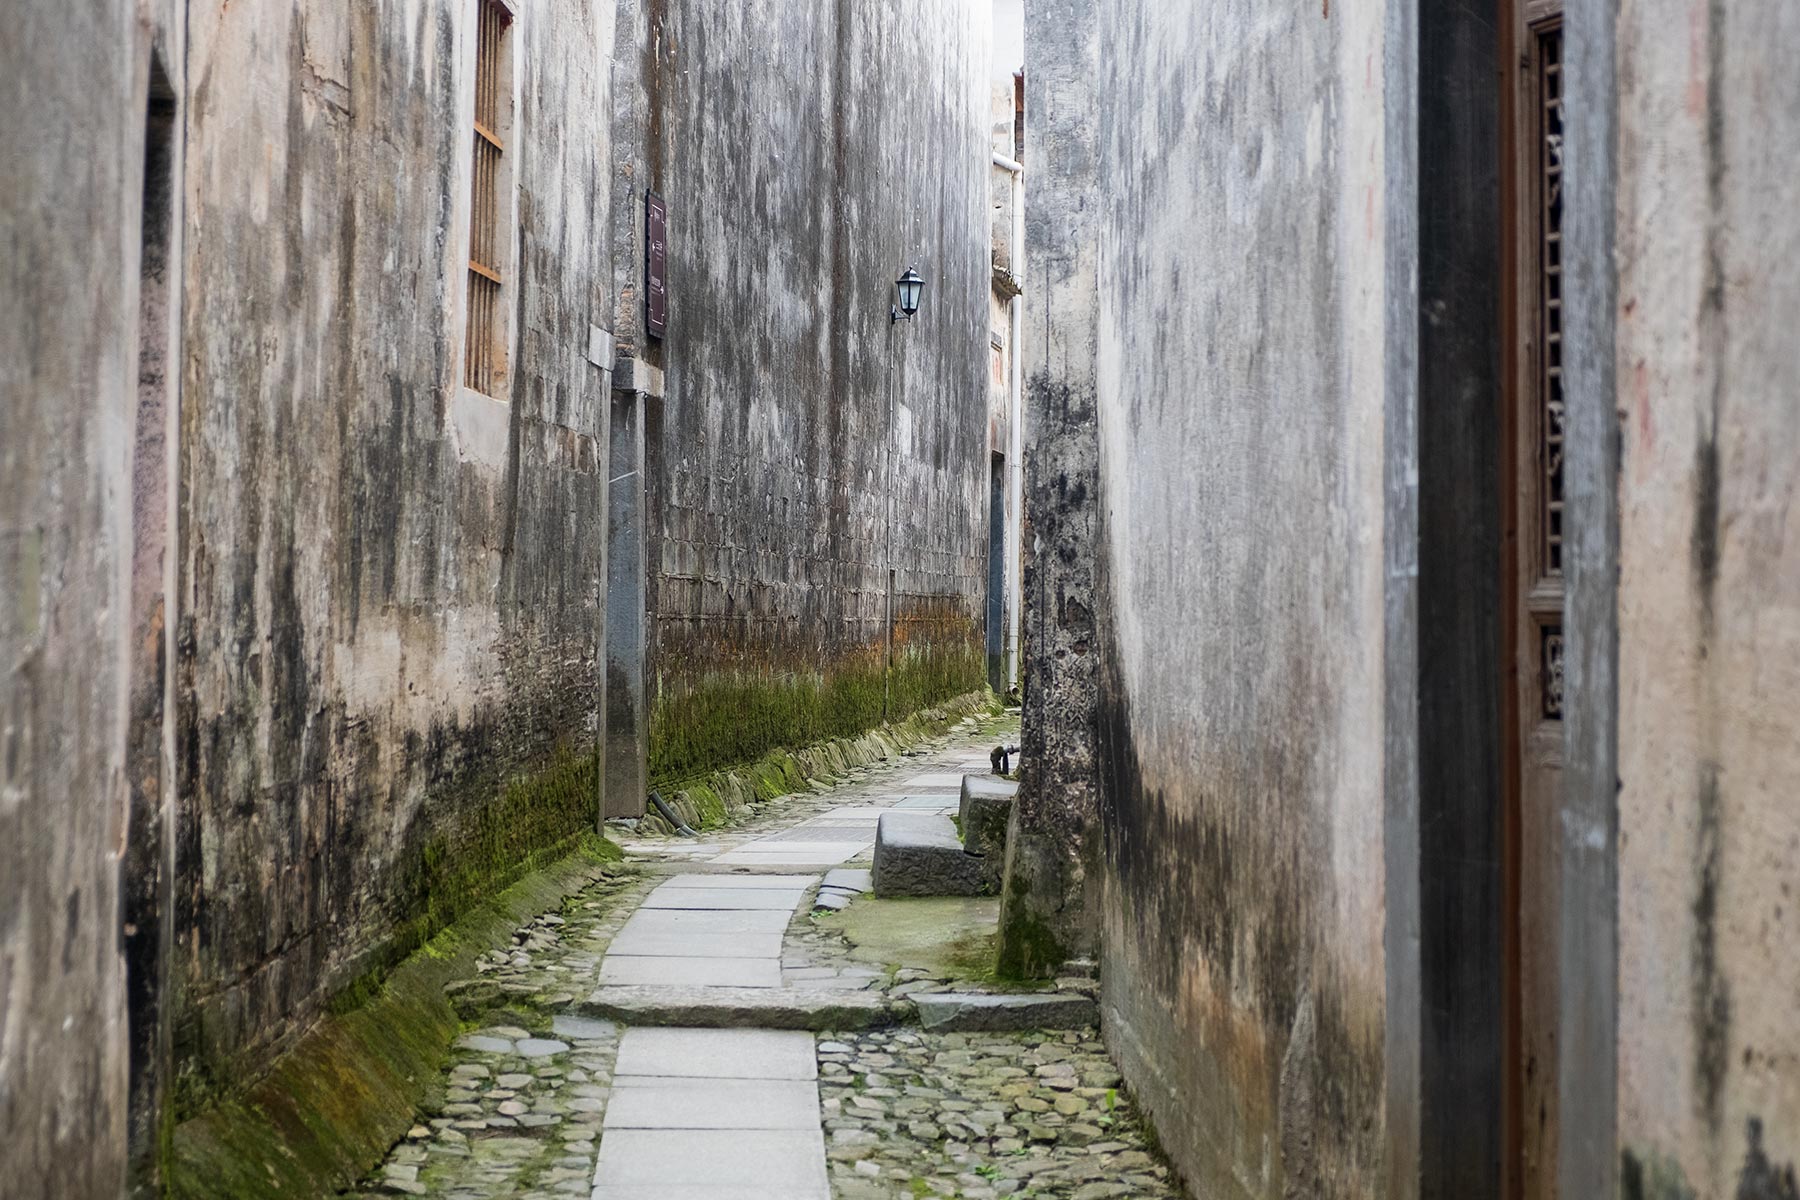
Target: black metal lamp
910, 287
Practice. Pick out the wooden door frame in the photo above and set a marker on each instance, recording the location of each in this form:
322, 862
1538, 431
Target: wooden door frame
1520, 219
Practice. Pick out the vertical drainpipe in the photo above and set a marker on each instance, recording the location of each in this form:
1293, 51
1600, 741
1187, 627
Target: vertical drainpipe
1015, 434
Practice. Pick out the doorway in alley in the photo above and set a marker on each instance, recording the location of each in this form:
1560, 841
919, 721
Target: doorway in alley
1532, 585
148, 859
996, 575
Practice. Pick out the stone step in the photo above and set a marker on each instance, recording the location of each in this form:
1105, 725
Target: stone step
815, 1009
919, 854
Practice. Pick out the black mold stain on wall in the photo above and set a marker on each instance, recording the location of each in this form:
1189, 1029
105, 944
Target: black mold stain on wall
1761, 1179
390, 633
1711, 992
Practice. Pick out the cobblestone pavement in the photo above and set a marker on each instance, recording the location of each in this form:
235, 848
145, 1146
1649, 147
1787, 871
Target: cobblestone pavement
910, 1115
905, 1114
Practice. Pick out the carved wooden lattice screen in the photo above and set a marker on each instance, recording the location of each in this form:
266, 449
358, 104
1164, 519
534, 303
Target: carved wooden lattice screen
484, 349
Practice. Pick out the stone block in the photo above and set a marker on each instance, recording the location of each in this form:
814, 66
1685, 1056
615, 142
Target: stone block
799, 1007
919, 854
974, 1012
987, 801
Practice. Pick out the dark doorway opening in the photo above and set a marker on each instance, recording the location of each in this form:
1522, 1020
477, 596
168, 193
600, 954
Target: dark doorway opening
148, 860
1459, 614
996, 575
626, 734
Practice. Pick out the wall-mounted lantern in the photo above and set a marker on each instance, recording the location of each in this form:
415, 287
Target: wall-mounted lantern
909, 287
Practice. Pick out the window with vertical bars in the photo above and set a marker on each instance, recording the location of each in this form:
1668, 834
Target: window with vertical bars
485, 345
1550, 277
1552, 417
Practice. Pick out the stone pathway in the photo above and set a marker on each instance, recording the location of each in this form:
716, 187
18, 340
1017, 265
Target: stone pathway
713, 1114
707, 931
540, 1103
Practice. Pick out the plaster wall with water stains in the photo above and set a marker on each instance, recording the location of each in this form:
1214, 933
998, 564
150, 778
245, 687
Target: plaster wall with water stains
391, 585
1708, 601
1240, 384
807, 449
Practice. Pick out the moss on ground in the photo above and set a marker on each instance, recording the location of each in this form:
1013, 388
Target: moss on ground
1029, 948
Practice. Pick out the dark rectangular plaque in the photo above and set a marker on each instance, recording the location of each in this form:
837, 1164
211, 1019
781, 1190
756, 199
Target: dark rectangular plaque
656, 264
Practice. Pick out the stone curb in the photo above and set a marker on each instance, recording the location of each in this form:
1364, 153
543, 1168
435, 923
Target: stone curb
816, 1010
984, 1012
823, 1011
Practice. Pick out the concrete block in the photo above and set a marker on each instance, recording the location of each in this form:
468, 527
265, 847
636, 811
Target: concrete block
971, 1012
919, 854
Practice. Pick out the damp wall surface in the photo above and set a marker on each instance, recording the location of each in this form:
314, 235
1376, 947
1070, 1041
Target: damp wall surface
1708, 601
1239, 397
391, 586
68, 375
808, 450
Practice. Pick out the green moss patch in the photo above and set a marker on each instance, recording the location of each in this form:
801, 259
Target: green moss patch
721, 719
330, 1108
1029, 948
723, 797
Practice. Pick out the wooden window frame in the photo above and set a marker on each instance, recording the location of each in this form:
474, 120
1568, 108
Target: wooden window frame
486, 328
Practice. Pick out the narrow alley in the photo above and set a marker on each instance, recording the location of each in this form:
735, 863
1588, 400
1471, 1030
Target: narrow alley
899, 600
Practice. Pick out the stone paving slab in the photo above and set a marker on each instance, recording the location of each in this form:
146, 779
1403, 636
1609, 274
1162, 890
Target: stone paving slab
717, 1054
935, 779
640, 941
636, 971
739, 898
659, 1102
770, 882
800, 854
680, 921
852, 879
945, 803
836, 831
647, 1164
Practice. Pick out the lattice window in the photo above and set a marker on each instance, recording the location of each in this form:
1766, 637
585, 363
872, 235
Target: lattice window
1552, 422
485, 346
1550, 660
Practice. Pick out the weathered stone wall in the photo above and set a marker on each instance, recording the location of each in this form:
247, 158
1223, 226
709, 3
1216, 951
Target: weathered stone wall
1047, 914
1708, 600
74, 423
391, 586
1237, 258
808, 153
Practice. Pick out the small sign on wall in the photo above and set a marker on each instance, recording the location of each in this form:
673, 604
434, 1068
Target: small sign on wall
656, 265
